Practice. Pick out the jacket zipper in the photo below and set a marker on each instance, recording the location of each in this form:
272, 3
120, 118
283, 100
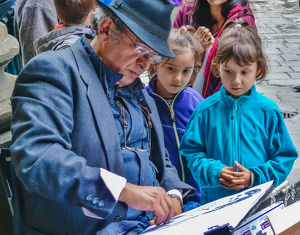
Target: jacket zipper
175, 130
235, 144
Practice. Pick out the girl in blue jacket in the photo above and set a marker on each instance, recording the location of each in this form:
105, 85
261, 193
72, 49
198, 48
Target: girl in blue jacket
174, 99
237, 137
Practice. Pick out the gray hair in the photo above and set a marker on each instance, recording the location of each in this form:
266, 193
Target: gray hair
97, 17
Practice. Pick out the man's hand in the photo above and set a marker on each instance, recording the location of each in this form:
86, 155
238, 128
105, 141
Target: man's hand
150, 198
235, 180
178, 210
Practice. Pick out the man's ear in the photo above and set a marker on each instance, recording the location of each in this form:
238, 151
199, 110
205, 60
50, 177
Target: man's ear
104, 28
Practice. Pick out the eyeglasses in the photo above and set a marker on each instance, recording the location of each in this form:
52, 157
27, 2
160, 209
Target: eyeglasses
125, 125
144, 52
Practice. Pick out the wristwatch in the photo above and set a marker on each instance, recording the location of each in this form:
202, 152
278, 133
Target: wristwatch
178, 198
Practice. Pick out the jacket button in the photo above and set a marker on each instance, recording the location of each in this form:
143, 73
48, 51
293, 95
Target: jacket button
95, 200
101, 203
118, 218
89, 197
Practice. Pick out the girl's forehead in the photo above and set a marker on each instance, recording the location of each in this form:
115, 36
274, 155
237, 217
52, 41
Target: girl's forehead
234, 62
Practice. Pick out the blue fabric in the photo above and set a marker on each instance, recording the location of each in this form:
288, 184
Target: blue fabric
106, 2
123, 228
138, 168
249, 130
184, 105
190, 205
63, 132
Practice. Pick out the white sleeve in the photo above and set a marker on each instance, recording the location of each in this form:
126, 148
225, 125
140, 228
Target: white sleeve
114, 183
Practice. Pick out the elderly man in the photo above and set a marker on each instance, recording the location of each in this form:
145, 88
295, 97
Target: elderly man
87, 147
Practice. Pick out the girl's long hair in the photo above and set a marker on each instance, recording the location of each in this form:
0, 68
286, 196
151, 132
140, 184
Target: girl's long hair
202, 16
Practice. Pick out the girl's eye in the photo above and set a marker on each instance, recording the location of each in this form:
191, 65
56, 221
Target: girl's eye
227, 71
171, 68
244, 72
186, 71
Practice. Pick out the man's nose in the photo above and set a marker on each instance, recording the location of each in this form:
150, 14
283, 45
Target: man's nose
144, 62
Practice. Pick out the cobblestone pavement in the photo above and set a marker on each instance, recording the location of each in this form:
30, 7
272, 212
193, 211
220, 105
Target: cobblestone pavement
278, 23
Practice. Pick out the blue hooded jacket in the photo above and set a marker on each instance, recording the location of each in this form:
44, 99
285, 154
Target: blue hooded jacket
174, 119
249, 130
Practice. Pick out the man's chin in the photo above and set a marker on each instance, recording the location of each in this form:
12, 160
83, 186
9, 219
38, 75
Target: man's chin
126, 81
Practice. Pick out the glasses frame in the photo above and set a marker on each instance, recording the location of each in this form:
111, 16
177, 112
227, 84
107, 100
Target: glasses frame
154, 59
125, 125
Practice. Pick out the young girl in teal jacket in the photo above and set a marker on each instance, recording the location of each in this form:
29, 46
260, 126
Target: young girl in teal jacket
237, 137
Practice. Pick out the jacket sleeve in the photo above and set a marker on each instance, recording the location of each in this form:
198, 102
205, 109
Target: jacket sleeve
42, 156
34, 22
249, 16
180, 18
282, 154
205, 170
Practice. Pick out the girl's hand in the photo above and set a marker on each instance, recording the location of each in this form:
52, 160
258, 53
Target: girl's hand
235, 180
247, 175
231, 179
204, 37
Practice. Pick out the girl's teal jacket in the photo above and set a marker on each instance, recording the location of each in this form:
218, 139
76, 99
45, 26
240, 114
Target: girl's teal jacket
249, 130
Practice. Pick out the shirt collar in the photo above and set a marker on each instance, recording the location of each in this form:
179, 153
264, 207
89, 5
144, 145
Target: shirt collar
110, 77
242, 100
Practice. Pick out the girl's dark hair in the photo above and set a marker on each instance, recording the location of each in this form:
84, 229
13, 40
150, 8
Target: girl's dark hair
74, 11
202, 16
240, 41
180, 41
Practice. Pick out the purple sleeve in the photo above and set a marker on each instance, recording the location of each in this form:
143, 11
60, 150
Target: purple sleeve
249, 17
251, 21
179, 18
183, 13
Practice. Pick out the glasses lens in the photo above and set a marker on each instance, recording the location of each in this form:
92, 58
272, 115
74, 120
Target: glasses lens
141, 50
155, 59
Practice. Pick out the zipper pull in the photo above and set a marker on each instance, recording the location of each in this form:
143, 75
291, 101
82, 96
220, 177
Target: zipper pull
234, 109
172, 114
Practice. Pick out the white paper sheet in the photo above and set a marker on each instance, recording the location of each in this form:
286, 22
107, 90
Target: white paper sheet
231, 209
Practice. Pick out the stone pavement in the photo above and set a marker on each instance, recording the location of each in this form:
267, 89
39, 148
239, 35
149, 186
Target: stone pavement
278, 23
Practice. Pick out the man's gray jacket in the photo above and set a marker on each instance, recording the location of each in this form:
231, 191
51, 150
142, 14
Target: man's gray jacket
63, 132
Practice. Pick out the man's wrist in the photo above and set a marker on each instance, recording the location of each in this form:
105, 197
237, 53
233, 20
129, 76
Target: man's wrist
172, 195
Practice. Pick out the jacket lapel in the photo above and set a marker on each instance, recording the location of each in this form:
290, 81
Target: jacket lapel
101, 109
